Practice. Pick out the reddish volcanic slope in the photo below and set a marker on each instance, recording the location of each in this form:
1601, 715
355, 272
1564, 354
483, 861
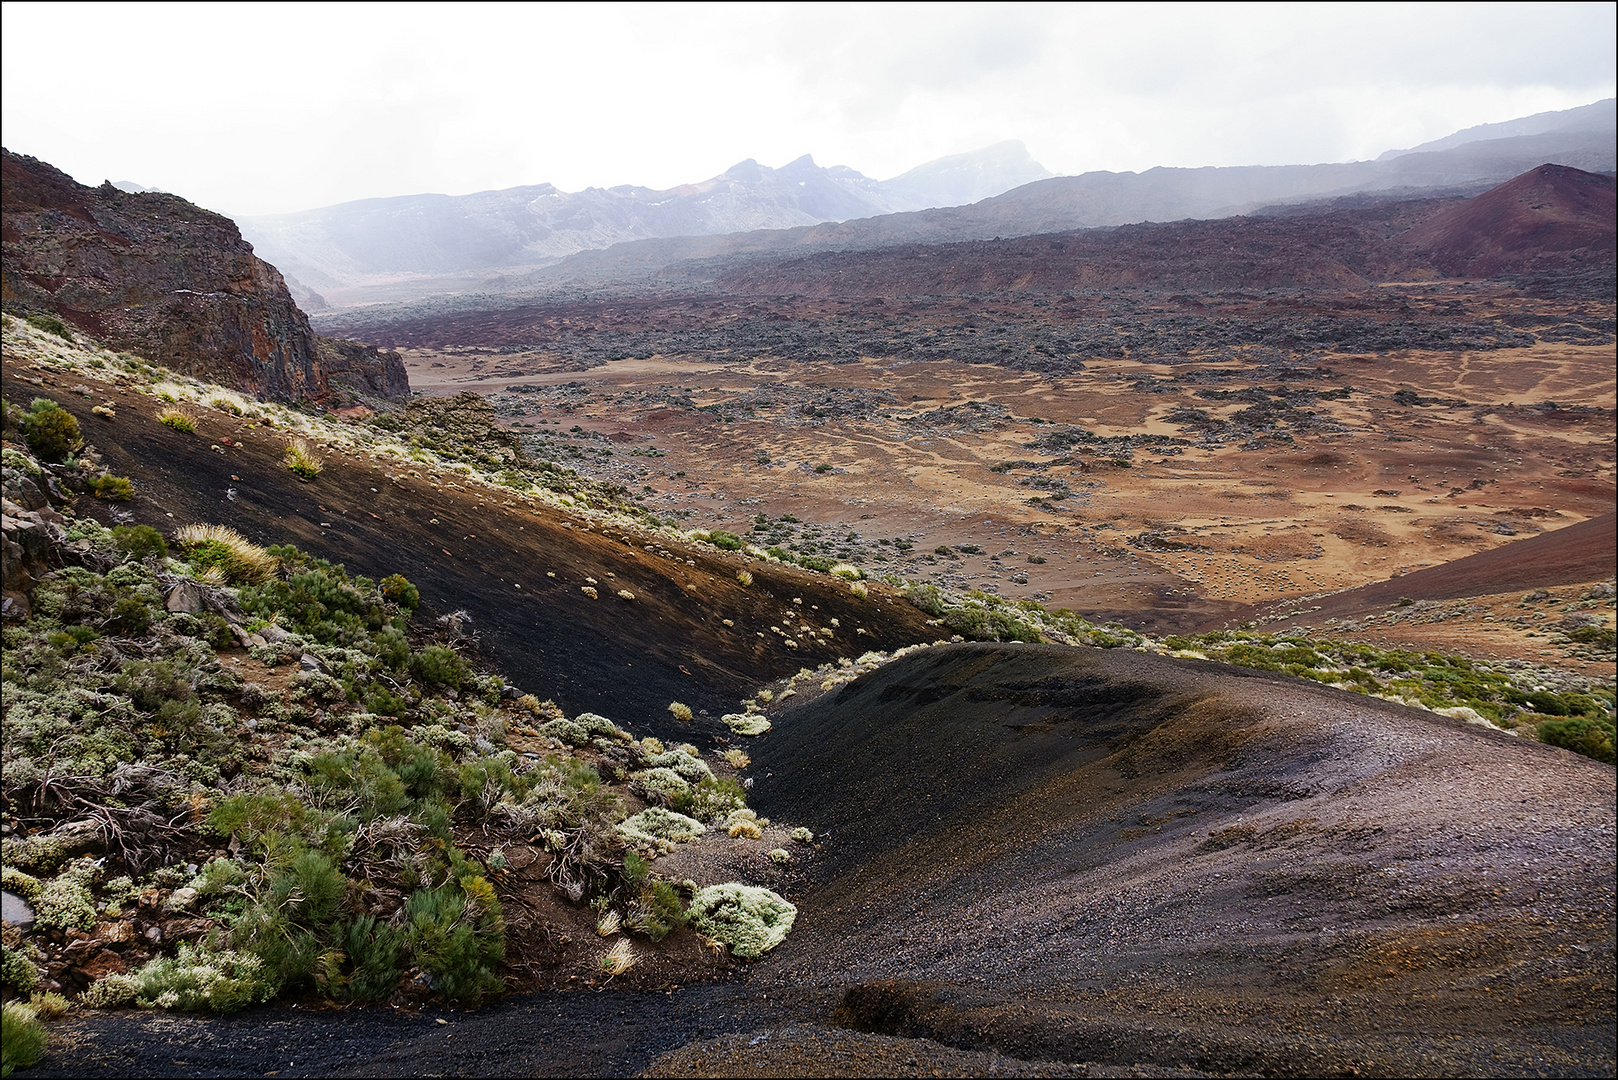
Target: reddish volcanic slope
1549, 218
1570, 556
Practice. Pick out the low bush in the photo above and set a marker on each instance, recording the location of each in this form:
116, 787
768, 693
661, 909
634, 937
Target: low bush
749, 919
1589, 736
396, 589
112, 488
17, 972
178, 419
139, 542
746, 723
301, 460
439, 665
200, 979
655, 830
50, 430
51, 325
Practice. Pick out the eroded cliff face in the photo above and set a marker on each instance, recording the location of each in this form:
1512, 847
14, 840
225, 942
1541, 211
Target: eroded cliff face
158, 276
362, 369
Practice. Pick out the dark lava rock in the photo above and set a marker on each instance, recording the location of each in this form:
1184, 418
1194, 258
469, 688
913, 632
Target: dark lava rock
159, 276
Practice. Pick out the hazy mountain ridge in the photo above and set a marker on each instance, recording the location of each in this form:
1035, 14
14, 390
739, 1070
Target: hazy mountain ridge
1596, 117
1100, 199
538, 237
537, 224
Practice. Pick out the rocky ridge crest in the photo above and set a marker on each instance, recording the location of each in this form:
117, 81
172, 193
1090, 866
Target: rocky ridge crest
154, 274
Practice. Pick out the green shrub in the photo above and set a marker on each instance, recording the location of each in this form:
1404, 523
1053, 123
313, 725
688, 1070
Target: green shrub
50, 324
656, 911
456, 936
179, 420
112, 488
139, 542
218, 876
1603, 636
200, 979
398, 590
372, 950
725, 541
1583, 735
438, 665
749, 919
50, 430
359, 778
23, 1036
17, 972
319, 600
927, 598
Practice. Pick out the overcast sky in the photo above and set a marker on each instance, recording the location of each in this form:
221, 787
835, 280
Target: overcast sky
259, 109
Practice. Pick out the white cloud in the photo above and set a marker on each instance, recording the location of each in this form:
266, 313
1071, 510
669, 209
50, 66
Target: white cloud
255, 109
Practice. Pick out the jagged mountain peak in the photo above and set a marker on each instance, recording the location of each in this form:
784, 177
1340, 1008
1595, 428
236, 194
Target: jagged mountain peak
534, 225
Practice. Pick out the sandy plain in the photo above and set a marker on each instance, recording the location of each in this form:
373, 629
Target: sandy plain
1498, 445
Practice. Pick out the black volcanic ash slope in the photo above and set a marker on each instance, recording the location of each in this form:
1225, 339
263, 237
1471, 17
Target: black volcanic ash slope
1053, 850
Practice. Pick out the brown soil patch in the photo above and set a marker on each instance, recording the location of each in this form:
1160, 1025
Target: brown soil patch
1372, 488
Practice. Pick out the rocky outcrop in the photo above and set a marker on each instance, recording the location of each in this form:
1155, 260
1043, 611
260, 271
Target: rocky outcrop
30, 533
151, 273
362, 369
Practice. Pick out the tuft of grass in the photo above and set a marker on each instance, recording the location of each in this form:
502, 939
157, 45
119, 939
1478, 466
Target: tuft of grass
221, 548
743, 578
179, 420
618, 959
681, 711
23, 1036
51, 1006
301, 460
112, 488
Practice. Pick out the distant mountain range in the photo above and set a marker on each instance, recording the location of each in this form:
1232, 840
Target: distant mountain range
399, 248
359, 242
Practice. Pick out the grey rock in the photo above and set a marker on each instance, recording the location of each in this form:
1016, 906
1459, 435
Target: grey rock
188, 597
15, 910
